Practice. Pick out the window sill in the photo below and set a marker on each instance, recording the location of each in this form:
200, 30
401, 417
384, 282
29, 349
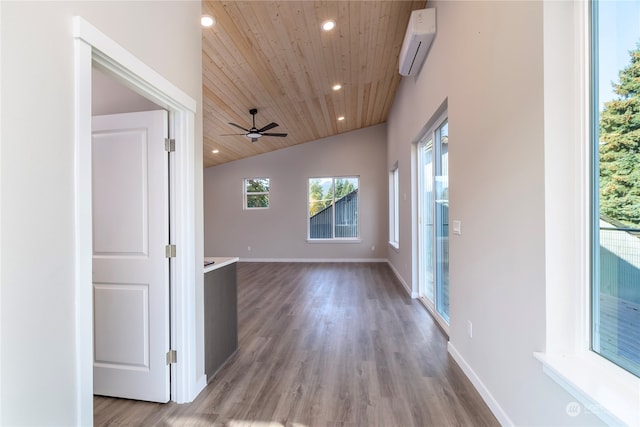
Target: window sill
395, 246
334, 241
603, 389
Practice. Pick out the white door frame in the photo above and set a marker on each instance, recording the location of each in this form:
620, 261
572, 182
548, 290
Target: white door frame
93, 47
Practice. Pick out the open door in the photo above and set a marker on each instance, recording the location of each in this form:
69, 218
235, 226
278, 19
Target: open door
130, 181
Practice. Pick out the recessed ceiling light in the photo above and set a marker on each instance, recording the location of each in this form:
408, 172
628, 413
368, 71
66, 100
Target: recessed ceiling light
341, 118
337, 87
216, 151
328, 25
207, 21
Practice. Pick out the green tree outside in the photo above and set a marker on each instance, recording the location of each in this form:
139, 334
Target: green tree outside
620, 148
317, 200
343, 186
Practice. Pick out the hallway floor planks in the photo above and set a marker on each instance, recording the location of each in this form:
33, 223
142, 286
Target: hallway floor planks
324, 344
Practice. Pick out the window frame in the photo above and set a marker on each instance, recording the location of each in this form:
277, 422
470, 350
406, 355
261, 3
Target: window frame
607, 391
245, 194
394, 207
333, 239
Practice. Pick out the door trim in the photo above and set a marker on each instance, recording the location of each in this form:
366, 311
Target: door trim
94, 47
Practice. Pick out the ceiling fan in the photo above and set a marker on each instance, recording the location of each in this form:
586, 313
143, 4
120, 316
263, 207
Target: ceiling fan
254, 133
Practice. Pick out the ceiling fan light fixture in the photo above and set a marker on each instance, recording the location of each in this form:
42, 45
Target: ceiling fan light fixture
253, 134
328, 25
207, 21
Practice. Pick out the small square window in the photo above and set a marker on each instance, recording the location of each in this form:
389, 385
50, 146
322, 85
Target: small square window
256, 193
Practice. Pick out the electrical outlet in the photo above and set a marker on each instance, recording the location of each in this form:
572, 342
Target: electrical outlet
373, 248
469, 329
249, 248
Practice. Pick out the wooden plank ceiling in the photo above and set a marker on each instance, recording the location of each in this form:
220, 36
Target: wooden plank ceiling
274, 56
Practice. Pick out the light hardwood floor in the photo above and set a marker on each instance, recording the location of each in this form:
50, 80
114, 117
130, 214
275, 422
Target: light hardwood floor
328, 344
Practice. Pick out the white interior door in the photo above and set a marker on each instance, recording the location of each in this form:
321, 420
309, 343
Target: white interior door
130, 180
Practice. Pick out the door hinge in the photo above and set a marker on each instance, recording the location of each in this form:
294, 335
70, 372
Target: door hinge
170, 251
170, 145
172, 357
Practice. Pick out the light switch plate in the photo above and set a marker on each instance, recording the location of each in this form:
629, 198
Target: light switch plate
457, 227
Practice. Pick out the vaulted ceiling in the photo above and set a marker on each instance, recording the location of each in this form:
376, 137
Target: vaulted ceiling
274, 56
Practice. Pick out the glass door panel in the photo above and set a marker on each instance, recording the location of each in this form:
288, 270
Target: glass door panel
433, 220
426, 243
442, 221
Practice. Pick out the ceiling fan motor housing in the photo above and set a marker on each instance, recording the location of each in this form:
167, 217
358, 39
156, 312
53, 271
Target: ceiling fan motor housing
253, 132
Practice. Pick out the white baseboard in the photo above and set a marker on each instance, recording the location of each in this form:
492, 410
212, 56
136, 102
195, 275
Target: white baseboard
486, 395
404, 284
313, 260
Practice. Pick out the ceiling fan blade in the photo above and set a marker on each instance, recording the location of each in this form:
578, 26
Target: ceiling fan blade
274, 134
231, 134
238, 126
267, 127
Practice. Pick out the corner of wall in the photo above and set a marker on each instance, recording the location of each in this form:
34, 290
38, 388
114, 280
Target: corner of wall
404, 284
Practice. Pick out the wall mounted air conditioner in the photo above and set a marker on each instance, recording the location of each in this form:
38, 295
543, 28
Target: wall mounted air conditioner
420, 33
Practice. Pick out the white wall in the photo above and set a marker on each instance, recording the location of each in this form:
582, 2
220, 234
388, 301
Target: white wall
487, 63
280, 232
37, 340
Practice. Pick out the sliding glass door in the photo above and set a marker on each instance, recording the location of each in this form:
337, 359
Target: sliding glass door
433, 219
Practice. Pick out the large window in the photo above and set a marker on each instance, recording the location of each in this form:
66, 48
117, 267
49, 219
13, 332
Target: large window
616, 183
394, 208
333, 208
256, 193
575, 250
